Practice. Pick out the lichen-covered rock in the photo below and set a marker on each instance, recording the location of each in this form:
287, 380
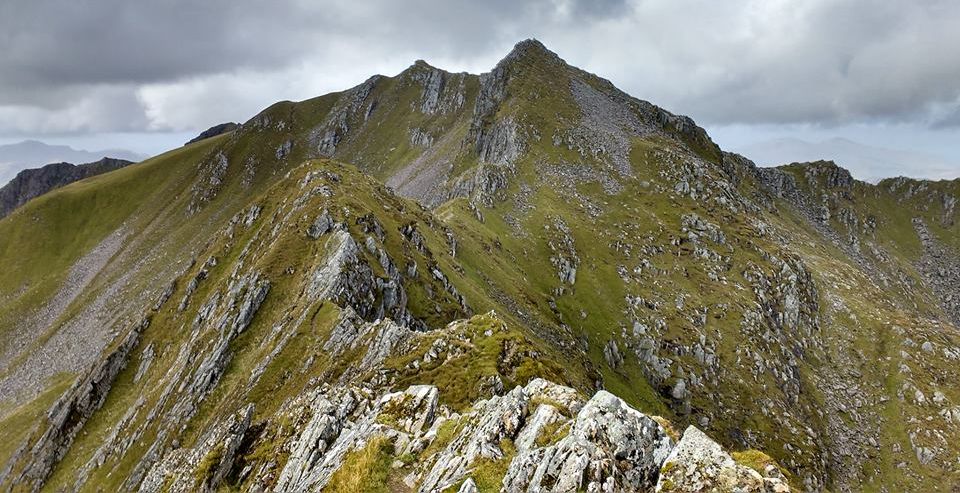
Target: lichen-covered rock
346, 278
606, 447
203, 467
343, 421
567, 399
698, 464
411, 411
492, 420
330, 413
611, 447
468, 486
611, 352
543, 416
321, 225
695, 227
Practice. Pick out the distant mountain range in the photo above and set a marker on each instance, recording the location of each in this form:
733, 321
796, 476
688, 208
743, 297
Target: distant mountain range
865, 162
32, 183
34, 154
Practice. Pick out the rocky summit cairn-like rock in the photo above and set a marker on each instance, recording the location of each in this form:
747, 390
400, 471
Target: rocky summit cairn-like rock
698, 464
606, 446
610, 447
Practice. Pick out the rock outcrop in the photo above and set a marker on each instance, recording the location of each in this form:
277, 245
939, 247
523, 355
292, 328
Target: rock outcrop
697, 463
214, 131
72, 410
207, 463
940, 268
610, 447
544, 435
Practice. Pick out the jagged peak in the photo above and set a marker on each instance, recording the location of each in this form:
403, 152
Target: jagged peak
421, 63
419, 68
529, 50
530, 45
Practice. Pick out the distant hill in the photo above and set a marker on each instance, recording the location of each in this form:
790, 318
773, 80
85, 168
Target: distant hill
31, 183
865, 162
214, 131
371, 290
33, 154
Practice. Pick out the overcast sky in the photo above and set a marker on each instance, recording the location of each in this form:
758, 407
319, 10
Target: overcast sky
147, 75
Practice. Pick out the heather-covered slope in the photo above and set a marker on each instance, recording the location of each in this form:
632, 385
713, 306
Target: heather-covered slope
564, 230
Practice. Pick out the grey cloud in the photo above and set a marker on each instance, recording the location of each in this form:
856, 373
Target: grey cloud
947, 116
826, 62
62, 42
99, 108
60, 55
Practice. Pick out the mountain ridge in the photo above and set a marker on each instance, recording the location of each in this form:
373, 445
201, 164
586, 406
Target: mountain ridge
33, 153
786, 310
870, 163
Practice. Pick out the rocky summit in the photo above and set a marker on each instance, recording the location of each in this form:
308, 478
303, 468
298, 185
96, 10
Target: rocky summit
525, 280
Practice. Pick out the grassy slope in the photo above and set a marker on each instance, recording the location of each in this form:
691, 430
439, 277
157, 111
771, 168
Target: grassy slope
292, 252
871, 327
50, 233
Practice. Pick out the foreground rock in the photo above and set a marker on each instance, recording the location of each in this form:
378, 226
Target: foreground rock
542, 436
610, 447
698, 463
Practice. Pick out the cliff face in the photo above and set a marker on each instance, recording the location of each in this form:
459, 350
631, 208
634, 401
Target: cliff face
32, 183
525, 280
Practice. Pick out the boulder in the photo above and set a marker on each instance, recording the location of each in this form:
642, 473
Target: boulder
611, 447
698, 464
